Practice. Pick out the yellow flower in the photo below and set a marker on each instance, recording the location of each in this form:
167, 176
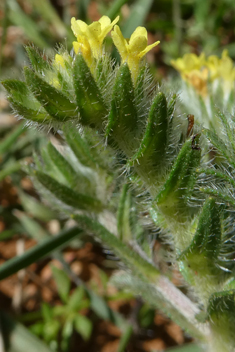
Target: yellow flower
132, 50
198, 79
90, 37
193, 70
213, 63
226, 68
188, 63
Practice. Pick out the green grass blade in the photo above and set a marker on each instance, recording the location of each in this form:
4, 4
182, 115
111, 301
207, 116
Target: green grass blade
19, 338
115, 8
10, 169
137, 16
11, 138
37, 252
30, 28
125, 338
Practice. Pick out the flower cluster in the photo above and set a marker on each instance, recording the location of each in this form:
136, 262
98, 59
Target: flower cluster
90, 40
200, 71
134, 49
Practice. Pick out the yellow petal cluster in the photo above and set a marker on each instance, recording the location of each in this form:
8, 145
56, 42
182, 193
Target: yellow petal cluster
199, 71
189, 63
90, 37
132, 50
198, 79
90, 43
226, 70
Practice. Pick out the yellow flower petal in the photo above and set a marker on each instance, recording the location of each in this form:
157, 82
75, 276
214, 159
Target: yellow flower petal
83, 46
138, 41
104, 21
94, 33
148, 48
120, 42
139, 32
133, 50
106, 26
78, 27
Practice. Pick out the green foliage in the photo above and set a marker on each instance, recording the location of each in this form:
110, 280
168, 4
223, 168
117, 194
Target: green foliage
122, 119
175, 194
88, 97
189, 193
151, 154
64, 320
55, 103
221, 310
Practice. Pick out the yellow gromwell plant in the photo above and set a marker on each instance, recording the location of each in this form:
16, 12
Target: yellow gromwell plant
145, 149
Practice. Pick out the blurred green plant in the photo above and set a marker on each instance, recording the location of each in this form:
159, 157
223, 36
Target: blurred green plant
65, 319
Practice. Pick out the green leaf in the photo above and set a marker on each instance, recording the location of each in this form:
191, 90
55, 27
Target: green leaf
51, 330
67, 195
220, 145
152, 150
67, 332
77, 299
53, 101
47, 312
101, 308
37, 252
62, 282
19, 338
63, 165
146, 316
35, 208
139, 85
83, 326
33, 228
7, 234
23, 101
126, 219
79, 146
14, 86
225, 177
9, 169
122, 119
89, 99
229, 129
171, 106
173, 198
223, 196
39, 116
221, 311
38, 63
202, 254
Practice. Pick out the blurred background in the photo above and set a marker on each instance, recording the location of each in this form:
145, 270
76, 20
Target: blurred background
44, 308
